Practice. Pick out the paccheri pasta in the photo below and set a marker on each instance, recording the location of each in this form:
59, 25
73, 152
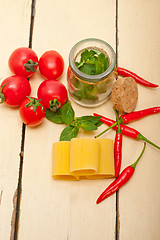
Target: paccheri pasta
79, 158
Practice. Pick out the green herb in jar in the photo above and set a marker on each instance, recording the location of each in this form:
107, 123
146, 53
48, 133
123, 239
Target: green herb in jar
92, 62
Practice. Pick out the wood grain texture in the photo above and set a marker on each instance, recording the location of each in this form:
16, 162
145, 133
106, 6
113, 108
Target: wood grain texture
14, 24
53, 209
138, 50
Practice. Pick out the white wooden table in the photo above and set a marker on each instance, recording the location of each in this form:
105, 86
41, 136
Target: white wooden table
32, 204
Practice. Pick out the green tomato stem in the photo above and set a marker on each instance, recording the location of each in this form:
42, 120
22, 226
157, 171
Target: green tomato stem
34, 103
2, 97
30, 66
54, 105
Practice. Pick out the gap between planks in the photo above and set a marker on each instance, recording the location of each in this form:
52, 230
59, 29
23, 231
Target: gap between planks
18, 192
1, 196
117, 227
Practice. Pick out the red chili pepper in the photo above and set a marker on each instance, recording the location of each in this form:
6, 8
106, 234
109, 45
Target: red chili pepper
126, 118
136, 115
120, 180
126, 73
118, 148
128, 131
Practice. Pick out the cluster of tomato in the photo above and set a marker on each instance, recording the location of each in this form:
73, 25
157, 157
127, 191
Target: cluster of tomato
15, 90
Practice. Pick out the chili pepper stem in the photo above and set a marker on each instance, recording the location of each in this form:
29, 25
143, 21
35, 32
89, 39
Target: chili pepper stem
106, 130
141, 137
113, 125
117, 118
135, 163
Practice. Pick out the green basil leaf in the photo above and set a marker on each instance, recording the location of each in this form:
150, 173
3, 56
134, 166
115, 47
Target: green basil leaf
93, 119
88, 126
54, 116
68, 133
67, 113
98, 124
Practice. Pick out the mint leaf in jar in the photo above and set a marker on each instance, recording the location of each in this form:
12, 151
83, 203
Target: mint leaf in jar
103, 61
88, 68
92, 62
85, 55
86, 92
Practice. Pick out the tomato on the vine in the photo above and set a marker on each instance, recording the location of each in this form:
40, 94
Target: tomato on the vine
51, 65
14, 89
53, 94
23, 61
32, 111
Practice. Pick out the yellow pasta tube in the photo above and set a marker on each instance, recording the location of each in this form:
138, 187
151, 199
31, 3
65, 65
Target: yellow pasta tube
84, 156
106, 159
61, 161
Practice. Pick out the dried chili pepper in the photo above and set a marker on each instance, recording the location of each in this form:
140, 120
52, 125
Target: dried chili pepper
136, 115
126, 73
120, 180
128, 131
118, 148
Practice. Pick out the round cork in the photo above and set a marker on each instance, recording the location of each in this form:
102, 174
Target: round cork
125, 94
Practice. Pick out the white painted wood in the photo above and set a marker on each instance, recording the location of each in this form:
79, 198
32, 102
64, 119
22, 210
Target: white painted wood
14, 25
138, 50
52, 209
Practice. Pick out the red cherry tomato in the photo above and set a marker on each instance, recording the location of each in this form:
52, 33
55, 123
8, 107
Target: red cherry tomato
23, 61
51, 65
14, 89
32, 111
53, 94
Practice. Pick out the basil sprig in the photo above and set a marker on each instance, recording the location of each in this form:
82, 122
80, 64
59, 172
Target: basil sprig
66, 115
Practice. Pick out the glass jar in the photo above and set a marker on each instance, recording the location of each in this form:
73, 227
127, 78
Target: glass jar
90, 90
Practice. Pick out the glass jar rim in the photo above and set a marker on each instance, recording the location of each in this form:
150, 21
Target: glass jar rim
92, 77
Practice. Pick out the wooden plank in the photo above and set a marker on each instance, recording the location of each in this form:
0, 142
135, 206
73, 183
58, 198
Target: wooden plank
53, 209
15, 24
138, 50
